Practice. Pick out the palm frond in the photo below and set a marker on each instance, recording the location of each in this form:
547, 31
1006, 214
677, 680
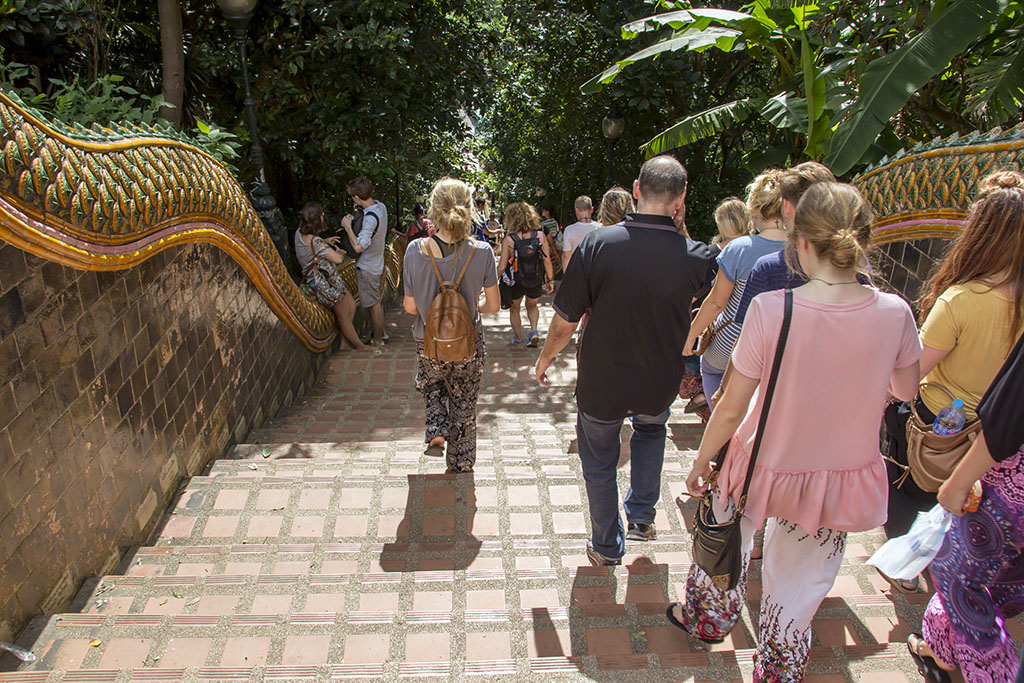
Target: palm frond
703, 125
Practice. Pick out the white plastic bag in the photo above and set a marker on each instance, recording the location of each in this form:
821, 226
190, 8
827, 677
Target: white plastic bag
906, 556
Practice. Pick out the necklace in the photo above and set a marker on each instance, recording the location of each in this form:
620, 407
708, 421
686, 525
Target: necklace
833, 284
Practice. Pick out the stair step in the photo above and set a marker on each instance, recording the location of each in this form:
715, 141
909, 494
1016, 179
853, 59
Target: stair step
158, 595
302, 652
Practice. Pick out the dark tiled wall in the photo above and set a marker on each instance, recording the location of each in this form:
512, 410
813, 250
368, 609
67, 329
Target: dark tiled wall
905, 266
112, 387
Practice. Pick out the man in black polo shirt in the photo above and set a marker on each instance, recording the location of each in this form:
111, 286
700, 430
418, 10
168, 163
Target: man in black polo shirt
637, 280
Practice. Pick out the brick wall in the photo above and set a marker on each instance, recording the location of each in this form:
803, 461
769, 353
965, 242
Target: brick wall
903, 267
113, 386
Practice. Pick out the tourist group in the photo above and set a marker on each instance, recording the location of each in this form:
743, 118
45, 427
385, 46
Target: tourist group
781, 342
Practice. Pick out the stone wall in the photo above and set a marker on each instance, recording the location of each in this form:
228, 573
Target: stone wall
903, 267
113, 386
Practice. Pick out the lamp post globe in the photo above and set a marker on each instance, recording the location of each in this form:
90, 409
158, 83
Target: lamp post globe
236, 8
612, 127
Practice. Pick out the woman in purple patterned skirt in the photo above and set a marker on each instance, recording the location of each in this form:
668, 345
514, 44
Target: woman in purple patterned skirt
979, 572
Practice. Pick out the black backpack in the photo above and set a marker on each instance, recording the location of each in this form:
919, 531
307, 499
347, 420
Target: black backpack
529, 271
357, 226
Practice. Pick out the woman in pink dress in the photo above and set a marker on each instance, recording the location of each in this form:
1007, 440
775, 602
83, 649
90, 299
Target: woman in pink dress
819, 474
421, 226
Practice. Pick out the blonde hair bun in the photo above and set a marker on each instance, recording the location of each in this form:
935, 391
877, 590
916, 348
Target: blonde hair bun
845, 250
764, 195
836, 221
450, 208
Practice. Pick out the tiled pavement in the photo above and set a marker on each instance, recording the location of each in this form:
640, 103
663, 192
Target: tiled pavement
330, 548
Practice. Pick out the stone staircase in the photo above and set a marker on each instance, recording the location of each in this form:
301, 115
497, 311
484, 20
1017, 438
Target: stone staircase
329, 548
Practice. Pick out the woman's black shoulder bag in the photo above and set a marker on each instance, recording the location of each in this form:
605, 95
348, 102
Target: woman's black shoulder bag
717, 547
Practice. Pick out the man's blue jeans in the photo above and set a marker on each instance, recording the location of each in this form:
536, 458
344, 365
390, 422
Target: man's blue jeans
599, 444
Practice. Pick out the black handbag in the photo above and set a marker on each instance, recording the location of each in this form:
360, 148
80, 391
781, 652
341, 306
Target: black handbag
717, 546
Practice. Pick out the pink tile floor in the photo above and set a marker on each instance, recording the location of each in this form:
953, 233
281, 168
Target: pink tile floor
328, 547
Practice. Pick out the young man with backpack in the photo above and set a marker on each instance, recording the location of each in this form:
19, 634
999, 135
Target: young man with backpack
526, 260
369, 244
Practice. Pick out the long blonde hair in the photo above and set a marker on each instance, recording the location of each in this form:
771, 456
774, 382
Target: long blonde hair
451, 208
615, 204
521, 217
732, 219
836, 221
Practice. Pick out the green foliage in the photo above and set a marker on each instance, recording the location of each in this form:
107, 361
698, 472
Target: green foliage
105, 101
218, 142
890, 81
705, 124
541, 132
850, 80
341, 89
347, 89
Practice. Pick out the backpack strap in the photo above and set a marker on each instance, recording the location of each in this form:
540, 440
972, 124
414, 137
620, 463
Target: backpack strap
437, 271
465, 267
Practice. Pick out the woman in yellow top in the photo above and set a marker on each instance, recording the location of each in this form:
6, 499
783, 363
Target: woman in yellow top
973, 313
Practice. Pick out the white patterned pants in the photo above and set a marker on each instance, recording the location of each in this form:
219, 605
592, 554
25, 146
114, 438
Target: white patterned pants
797, 571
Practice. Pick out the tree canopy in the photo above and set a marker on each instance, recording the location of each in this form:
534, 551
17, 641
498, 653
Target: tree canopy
510, 94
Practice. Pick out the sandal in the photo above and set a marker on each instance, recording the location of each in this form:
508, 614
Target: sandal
696, 404
926, 666
434, 451
905, 586
678, 624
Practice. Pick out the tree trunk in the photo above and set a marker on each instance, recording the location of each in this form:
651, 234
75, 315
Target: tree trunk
172, 49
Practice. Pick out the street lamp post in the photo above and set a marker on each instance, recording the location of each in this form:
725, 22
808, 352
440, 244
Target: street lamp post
238, 13
612, 126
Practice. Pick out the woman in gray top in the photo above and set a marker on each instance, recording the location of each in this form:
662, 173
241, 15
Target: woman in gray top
319, 263
450, 388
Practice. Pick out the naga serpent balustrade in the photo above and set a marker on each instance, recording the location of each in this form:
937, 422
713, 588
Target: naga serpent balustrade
926, 191
110, 198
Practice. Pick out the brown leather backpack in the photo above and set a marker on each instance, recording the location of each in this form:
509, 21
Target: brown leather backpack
450, 331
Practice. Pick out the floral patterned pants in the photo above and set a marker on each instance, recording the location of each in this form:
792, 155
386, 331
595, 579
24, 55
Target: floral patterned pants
450, 390
979, 580
797, 571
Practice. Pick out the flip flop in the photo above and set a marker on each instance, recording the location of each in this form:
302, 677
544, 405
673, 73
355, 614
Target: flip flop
898, 584
678, 624
926, 666
434, 451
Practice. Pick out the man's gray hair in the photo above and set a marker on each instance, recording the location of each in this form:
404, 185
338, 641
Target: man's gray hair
662, 179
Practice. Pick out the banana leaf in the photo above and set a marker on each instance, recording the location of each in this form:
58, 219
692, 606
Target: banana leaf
703, 125
696, 40
890, 81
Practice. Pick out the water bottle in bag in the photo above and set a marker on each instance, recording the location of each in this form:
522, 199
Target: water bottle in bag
950, 419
